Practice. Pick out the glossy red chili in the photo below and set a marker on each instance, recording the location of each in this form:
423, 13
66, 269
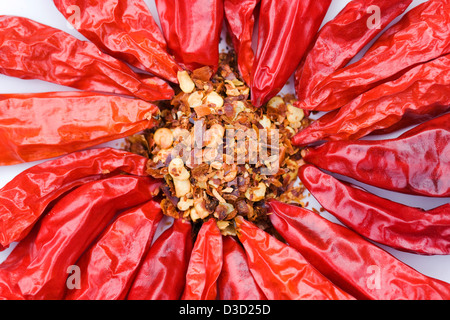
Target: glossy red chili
240, 16
236, 282
205, 264
24, 199
45, 125
350, 261
192, 30
342, 38
419, 95
37, 268
286, 28
45, 53
126, 30
281, 272
108, 268
162, 274
420, 36
417, 162
387, 222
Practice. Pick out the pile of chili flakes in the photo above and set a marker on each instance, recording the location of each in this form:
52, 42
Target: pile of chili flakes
214, 186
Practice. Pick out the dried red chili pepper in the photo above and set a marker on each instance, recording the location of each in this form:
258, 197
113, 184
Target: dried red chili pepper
418, 95
192, 30
416, 162
350, 261
37, 268
126, 30
280, 271
420, 36
45, 125
236, 281
240, 22
25, 198
162, 274
387, 222
285, 30
341, 39
205, 264
45, 53
110, 264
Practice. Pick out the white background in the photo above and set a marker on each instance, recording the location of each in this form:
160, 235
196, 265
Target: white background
45, 12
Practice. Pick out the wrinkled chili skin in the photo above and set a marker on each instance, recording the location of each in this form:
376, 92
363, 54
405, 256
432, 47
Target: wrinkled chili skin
205, 264
417, 162
341, 39
65, 233
25, 198
349, 260
45, 125
110, 264
192, 30
281, 272
387, 222
236, 281
285, 30
126, 31
419, 95
45, 53
420, 36
240, 22
162, 274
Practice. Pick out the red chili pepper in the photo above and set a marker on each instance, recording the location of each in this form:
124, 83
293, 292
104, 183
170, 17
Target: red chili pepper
192, 30
25, 198
45, 53
107, 269
45, 125
387, 222
286, 29
280, 271
236, 281
421, 35
205, 264
37, 268
418, 95
416, 162
240, 22
125, 30
351, 262
342, 38
162, 274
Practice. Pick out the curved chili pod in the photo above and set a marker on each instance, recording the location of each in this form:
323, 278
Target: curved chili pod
45, 125
280, 271
24, 199
236, 281
37, 268
110, 264
192, 30
126, 30
285, 30
421, 35
205, 264
240, 22
342, 38
387, 222
162, 274
417, 162
350, 261
420, 94
31, 50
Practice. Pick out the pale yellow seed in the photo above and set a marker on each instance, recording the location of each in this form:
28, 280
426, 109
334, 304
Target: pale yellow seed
185, 81
163, 137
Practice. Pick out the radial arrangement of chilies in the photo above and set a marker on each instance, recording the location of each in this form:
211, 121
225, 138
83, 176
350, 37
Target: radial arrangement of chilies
99, 209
